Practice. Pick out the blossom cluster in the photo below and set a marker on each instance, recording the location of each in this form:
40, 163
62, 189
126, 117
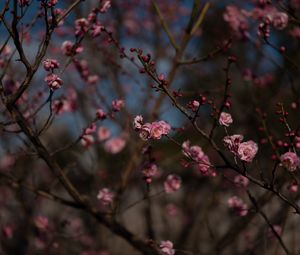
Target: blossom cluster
154, 130
196, 154
245, 151
238, 205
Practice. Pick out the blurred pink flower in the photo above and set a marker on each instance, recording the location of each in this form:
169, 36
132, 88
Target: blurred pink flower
117, 105
41, 223
105, 196
172, 183
238, 205
114, 145
290, 160
87, 140
81, 26
103, 133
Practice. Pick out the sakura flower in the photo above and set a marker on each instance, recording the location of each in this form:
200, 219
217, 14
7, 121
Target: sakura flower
91, 129
106, 5
105, 196
81, 26
290, 160
225, 119
247, 151
103, 133
172, 183
145, 131
92, 79
280, 20
150, 171
235, 18
293, 187
87, 140
41, 223
204, 165
138, 122
166, 247
68, 48
100, 114
158, 129
238, 205
232, 143
194, 105
114, 145
195, 152
117, 105
51, 3
96, 29
241, 180
50, 64
53, 81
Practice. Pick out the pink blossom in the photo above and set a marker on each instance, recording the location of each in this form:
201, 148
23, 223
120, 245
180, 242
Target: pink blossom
51, 3
166, 247
105, 196
247, 151
235, 18
68, 48
232, 143
280, 20
225, 119
138, 122
194, 105
150, 171
117, 105
290, 161
50, 64
92, 79
293, 187
65, 104
106, 5
145, 131
195, 152
96, 29
241, 180
41, 223
204, 165
158, 129
114, 145
87, 140
81, 26
103, 133
238, 205
100, 114
53, 81
91, 129
172, 183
